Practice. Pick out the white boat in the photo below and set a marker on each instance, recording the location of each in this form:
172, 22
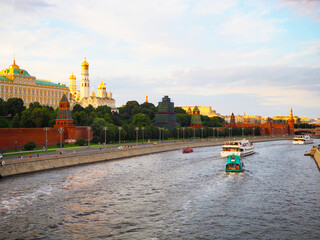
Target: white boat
240, 147
302, 139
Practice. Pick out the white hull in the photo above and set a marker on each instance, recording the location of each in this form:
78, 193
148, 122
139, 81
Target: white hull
240, 147
302, 142
243, 153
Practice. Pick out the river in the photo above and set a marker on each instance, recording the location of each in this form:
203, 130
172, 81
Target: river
169, 196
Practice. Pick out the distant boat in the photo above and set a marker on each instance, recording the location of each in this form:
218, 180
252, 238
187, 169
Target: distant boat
187, 150
234, 163
239, 147
302, 139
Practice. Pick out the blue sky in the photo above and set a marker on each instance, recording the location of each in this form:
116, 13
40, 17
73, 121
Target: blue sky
257, 57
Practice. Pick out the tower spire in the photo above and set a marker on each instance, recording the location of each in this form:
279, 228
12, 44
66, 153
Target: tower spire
291, 115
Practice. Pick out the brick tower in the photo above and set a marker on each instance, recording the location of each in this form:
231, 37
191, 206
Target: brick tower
166, 116
291, 123
64, 120
195, 118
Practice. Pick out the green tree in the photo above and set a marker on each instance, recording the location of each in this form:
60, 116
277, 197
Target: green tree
15, 105
30, 145
141, 120
97, 128
3, 108
16, 121
4, 123
108, 118
184, 119
180, 110
26, 119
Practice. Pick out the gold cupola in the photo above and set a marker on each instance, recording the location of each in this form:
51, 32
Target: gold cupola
102, 86
72, 76
14, 65
85, 63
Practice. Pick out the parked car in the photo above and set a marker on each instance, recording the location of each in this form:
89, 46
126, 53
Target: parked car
1, 157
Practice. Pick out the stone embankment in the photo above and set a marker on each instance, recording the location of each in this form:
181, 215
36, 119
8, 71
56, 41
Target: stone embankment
316, 155
46, 162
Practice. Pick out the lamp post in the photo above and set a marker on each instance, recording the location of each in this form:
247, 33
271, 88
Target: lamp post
242, 132
105, 135
46, 129
137, 130
229, 132
119, 128
89, 128
159, 134
183, 133
60, 130
178, 129
163, 134
194, 133
142, 135
213, 133
253, 131
202, 133
217, 132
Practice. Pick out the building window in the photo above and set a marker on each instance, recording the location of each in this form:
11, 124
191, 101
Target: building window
24, 91
28, 91
15, 90
19, 90
32, 91
44, 93
40, 92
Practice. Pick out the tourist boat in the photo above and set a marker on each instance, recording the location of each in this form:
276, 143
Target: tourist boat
239, 147
187, 150
302, 139
234, 163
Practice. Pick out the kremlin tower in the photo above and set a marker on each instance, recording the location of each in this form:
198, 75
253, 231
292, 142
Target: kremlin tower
84, 86
196, 118
291, 123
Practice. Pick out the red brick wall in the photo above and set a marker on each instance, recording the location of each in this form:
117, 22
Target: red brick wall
16, 138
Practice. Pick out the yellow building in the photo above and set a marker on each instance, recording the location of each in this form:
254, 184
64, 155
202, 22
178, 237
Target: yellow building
18, 83
83, 97
204, 110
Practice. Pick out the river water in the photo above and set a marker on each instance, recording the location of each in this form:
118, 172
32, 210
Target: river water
169, 196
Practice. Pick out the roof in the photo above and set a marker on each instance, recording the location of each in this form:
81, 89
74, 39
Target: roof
15, 71
64, 99
47, 83
2, 78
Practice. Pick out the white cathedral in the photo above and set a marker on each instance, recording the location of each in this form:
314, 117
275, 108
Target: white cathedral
84, 97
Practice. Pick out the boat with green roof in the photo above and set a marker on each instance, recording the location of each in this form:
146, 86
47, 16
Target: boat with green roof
234, 163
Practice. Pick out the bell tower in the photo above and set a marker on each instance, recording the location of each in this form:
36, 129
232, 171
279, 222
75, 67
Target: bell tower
85, 83
291, 123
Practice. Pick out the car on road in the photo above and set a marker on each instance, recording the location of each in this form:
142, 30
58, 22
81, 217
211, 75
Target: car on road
1, 157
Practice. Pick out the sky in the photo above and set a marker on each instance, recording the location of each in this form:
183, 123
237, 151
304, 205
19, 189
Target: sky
257, 57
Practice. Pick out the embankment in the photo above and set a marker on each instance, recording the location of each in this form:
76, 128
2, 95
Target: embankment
316, 155
20, 166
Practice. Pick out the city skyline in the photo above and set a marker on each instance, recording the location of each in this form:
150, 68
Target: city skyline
257, 57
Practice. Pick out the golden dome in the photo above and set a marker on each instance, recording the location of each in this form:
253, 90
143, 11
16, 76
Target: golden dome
102, 86
72, 77
85, 63
92, 94
14, 65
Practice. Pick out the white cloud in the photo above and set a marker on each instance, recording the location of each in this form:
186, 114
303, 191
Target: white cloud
303, 7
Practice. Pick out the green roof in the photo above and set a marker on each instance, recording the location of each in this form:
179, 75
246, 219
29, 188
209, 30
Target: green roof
2, 78
46, 83
15, 71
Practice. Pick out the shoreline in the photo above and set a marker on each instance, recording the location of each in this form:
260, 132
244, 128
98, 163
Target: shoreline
28, 165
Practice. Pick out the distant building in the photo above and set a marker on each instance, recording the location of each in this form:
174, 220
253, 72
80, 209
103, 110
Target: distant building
166, 116
18, 83
206, 111
84, 97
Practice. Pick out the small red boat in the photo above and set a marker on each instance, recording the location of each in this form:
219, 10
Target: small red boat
187, 150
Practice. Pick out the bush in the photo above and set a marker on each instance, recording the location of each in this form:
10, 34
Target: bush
80, 142
58, 144
30, 145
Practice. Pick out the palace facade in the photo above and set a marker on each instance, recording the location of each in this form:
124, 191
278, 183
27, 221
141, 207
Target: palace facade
18, 83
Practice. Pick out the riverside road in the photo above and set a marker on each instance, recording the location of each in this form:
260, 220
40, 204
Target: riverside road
169, 195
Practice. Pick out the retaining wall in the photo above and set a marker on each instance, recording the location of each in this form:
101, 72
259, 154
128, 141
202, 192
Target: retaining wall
27, 165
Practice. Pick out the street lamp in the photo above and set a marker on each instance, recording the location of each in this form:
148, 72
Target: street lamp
46, 129
217, 132
163, 134
183, 132
253, 131
89, 128
142, 135
202, 133
60, 130
137, 130
159, 134
194, 133
178, 133
105, 135
119, 128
